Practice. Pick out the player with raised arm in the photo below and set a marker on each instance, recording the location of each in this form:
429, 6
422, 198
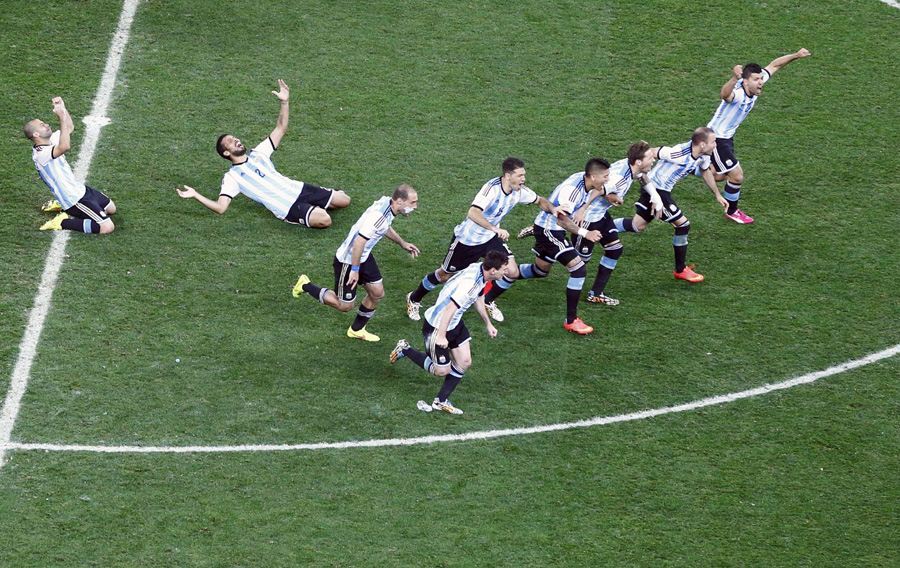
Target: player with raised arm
355, 265
253, 174
84, 209
480, 232
447, 353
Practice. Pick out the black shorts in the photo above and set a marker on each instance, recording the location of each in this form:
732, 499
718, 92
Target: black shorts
671, 212
455, 337
310, 197
92, 206
606, 227
723, 158
368, 274
460, 256
553, 246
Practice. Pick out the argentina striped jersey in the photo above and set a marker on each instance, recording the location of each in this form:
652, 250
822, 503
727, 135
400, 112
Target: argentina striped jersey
674, 163
620, 179
463, 289
258, 179
372, 225
570, 194
494, 204
57, 174
729, 116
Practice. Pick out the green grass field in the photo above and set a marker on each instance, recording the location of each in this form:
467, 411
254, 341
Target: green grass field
437, 95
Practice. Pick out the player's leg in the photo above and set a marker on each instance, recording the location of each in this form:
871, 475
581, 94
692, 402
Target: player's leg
342, 298
458, 257
680, 242
339, 199
370, 278
612, 251
461, 359
577, 273
86, 216
642, 216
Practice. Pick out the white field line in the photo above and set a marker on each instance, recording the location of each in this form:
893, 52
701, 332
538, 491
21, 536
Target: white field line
55, 256
893, 3
484, 435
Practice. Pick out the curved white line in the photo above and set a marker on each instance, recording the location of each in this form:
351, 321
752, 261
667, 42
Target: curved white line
485, 435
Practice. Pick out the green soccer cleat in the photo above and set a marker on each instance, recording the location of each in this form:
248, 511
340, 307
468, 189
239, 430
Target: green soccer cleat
51, 206
298, 287
54, 224
362, 334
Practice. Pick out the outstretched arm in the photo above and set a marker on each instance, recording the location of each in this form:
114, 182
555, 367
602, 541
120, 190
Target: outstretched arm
785, 59
218, 206
412, 249
66, 127
284, 95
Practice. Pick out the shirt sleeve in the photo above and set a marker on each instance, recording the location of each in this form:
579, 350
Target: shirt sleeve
229, 187
485, 197
527, 196
265, 148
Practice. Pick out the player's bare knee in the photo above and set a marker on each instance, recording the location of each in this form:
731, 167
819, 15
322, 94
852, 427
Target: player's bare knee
111, 208
463, 363
107, 228
319, 219
345, 306
441, 371
339, 200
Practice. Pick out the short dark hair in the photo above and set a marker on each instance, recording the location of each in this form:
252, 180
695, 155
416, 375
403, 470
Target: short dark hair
220, 146
29, 129
636, 152
595, 165
701, 134
402, 191
495, 259
750, 69
511, 164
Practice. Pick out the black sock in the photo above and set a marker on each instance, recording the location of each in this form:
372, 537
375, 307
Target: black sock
362, 317
450, 382
572, 297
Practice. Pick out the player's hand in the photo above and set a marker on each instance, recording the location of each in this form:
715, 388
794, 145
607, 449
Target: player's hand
722, 201
284, 92
738, 71
502, 233
492, 331
352, 279
803, 52
188, 192
594, 236
656, 207
59, 107
614, 199
441, 341
412, 249
578, 218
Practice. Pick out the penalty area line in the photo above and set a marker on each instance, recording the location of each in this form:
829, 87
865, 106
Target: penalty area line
484, 435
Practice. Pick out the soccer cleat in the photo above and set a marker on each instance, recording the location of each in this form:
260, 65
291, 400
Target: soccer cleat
424, 406
526, 232
52, 205
602, 298
445, 406
54, 224
397, 353
362, 334
298, 287
740, 217
412, 308
688, 274
494, 311
579, 327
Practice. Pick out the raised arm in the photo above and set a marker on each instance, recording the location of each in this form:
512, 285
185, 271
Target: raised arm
284, 95
777, 64
66, 127
727, 92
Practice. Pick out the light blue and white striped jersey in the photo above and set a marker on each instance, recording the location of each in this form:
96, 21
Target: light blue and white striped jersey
620, 179
57, 174
494, 204
463, 289
674, 163
729, 116
570, 194
372, 225
258, 179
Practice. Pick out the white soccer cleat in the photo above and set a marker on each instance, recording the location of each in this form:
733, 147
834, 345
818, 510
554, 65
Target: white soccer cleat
423, 406
412, 308
446, 406
494, 311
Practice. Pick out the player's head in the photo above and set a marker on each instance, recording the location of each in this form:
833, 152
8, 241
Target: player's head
495, 264
36, 130
640, 156
404, 200
596, 171
230, 147
704, 140
513, 173
752, 74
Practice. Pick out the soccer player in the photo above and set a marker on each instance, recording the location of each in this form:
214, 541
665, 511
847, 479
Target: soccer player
354, 263
253, 174
84, 209
447, 353
739, 95
594, 215
552, 242
481, 232
656, 201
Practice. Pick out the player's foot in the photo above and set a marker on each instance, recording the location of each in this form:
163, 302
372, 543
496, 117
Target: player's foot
602, 298
298, 287
740, 217
52, 205
445, 406
579, 327
688, 274
412, 308
494, 311
397, 353
362, 334
424, 406
526, 232
54, 224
